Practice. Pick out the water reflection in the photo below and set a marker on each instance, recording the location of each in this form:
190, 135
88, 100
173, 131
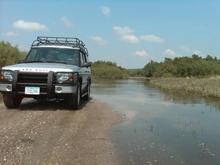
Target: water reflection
161, 127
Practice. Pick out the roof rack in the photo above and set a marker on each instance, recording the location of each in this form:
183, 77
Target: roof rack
64, 41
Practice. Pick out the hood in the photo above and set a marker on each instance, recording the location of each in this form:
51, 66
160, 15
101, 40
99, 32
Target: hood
42, 67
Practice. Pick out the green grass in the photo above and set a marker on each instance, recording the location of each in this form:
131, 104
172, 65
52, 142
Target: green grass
203, 86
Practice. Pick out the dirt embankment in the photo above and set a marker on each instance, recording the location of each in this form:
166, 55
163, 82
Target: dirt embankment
46, 133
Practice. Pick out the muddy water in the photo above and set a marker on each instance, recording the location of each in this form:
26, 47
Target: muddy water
159, 127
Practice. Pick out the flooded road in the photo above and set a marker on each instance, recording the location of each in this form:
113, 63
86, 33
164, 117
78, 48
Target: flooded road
161, 128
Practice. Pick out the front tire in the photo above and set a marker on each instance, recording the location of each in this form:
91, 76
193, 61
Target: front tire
11, 101
75, 100
87, 96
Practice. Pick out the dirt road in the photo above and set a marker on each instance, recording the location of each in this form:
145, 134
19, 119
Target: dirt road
47, 133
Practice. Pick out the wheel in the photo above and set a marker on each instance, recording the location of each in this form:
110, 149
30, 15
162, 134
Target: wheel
75, 100
87, 96
11, 101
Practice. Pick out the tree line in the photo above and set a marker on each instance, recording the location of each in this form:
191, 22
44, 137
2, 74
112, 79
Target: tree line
9, 54
195, 66
107, 69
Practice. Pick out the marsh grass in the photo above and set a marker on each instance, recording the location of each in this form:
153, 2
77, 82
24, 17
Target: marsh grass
203, 86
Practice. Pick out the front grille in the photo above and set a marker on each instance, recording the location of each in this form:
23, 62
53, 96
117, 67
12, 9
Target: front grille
32, 79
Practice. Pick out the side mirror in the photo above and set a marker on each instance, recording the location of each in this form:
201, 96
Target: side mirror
88, 64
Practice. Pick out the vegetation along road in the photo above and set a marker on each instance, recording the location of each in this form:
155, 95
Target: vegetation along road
201, 86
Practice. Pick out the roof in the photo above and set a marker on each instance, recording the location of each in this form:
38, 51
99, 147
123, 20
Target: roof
56, 46
64, 42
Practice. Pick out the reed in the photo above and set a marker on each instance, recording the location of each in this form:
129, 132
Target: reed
202, 86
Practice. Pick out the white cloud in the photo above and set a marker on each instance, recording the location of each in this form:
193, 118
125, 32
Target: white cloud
191, 51
11, 34
142, 53
29, 26
126, 34
151, 38
169, 53
67, 23
130, 38
98, 40
106, 11
122, 30
197, 52
24, 48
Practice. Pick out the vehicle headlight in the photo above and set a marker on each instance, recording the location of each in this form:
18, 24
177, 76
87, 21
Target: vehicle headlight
65, 77
6, 75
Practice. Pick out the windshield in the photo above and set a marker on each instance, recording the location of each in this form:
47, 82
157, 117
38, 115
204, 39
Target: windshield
56, 55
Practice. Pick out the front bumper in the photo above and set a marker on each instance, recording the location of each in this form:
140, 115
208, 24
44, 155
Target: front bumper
58, 89
5, 87
45, 81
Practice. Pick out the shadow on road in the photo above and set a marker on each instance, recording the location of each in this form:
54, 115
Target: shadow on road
51, 105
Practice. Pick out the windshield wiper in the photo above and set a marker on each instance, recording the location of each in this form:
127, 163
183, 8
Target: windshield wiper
62, 62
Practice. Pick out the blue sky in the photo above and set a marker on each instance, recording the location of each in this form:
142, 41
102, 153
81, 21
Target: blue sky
130, 33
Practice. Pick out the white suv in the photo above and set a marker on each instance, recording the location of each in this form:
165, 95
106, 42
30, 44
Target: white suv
55, 67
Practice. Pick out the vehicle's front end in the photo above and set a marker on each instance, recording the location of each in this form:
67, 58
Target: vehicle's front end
52, 69
38, 80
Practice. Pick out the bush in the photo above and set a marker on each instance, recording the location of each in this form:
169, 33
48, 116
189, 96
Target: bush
110, 70
184, 67
9, 54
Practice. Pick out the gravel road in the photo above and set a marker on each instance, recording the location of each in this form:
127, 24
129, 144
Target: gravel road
47, 133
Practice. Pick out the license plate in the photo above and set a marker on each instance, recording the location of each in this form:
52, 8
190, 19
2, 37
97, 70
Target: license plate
32, 90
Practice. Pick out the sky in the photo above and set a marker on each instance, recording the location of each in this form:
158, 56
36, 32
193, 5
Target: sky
130, 33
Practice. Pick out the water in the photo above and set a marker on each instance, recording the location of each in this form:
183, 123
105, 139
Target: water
161, 128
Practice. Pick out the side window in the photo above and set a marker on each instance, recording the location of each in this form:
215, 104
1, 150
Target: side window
82, 59
85, 59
